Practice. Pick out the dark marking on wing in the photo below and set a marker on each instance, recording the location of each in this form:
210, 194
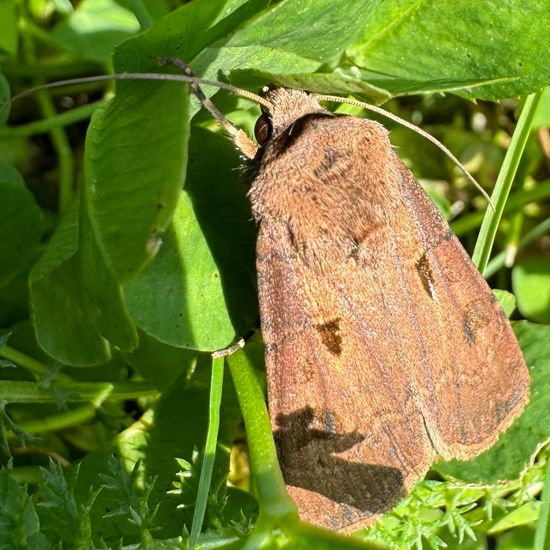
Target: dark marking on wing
424, 270
468, 331
330, 336
330, 157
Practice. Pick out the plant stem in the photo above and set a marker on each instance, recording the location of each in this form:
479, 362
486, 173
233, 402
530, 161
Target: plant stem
276, 507
216, 388
36, 367
504, 182
48, 124
16, 391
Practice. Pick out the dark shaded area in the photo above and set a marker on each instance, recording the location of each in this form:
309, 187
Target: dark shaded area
330, 336
307, 459
223, 212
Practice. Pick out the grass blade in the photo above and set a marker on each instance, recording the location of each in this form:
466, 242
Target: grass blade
504, 182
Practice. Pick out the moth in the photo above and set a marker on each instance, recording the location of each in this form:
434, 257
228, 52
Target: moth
385, 348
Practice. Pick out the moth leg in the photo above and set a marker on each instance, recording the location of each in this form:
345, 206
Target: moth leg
230, 350
241, 140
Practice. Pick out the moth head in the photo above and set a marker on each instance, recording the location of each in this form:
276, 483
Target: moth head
287, 106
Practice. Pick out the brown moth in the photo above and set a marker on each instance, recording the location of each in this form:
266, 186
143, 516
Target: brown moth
385, 348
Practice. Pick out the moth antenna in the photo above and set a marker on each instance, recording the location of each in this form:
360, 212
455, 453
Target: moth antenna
410, 126
145, 76
240, 138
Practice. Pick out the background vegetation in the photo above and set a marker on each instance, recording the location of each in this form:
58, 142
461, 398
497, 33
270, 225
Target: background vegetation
115, 284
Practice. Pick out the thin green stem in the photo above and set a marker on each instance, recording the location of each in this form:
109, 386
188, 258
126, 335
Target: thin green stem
58, 136
276, 507
63, 151
504, 182
216, 389
17, 391
36, 367
141, 12
57, 121
60, 421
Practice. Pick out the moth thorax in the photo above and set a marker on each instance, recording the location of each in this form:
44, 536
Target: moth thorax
289, 106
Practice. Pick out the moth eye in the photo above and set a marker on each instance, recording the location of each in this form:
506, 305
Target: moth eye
262, 129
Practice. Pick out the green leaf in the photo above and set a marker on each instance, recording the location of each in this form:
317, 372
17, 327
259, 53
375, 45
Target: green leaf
159, 362
136, 148
198, 293
338, 82
21, 220
19, 524
398, 42
524, 515
64, 517
103, 290
506, 300
520, 538
133, 181
62, 313
302, 37
95, 27
514, 450
531, 283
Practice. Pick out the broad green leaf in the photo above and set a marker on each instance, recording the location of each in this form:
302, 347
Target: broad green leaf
62, 314
21, 225
338, 82
95, 27
516, 446
198, 292
426, 41
136, 148
302, 37
134, 167
103, 290
160, 363
531, 284
167, 299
